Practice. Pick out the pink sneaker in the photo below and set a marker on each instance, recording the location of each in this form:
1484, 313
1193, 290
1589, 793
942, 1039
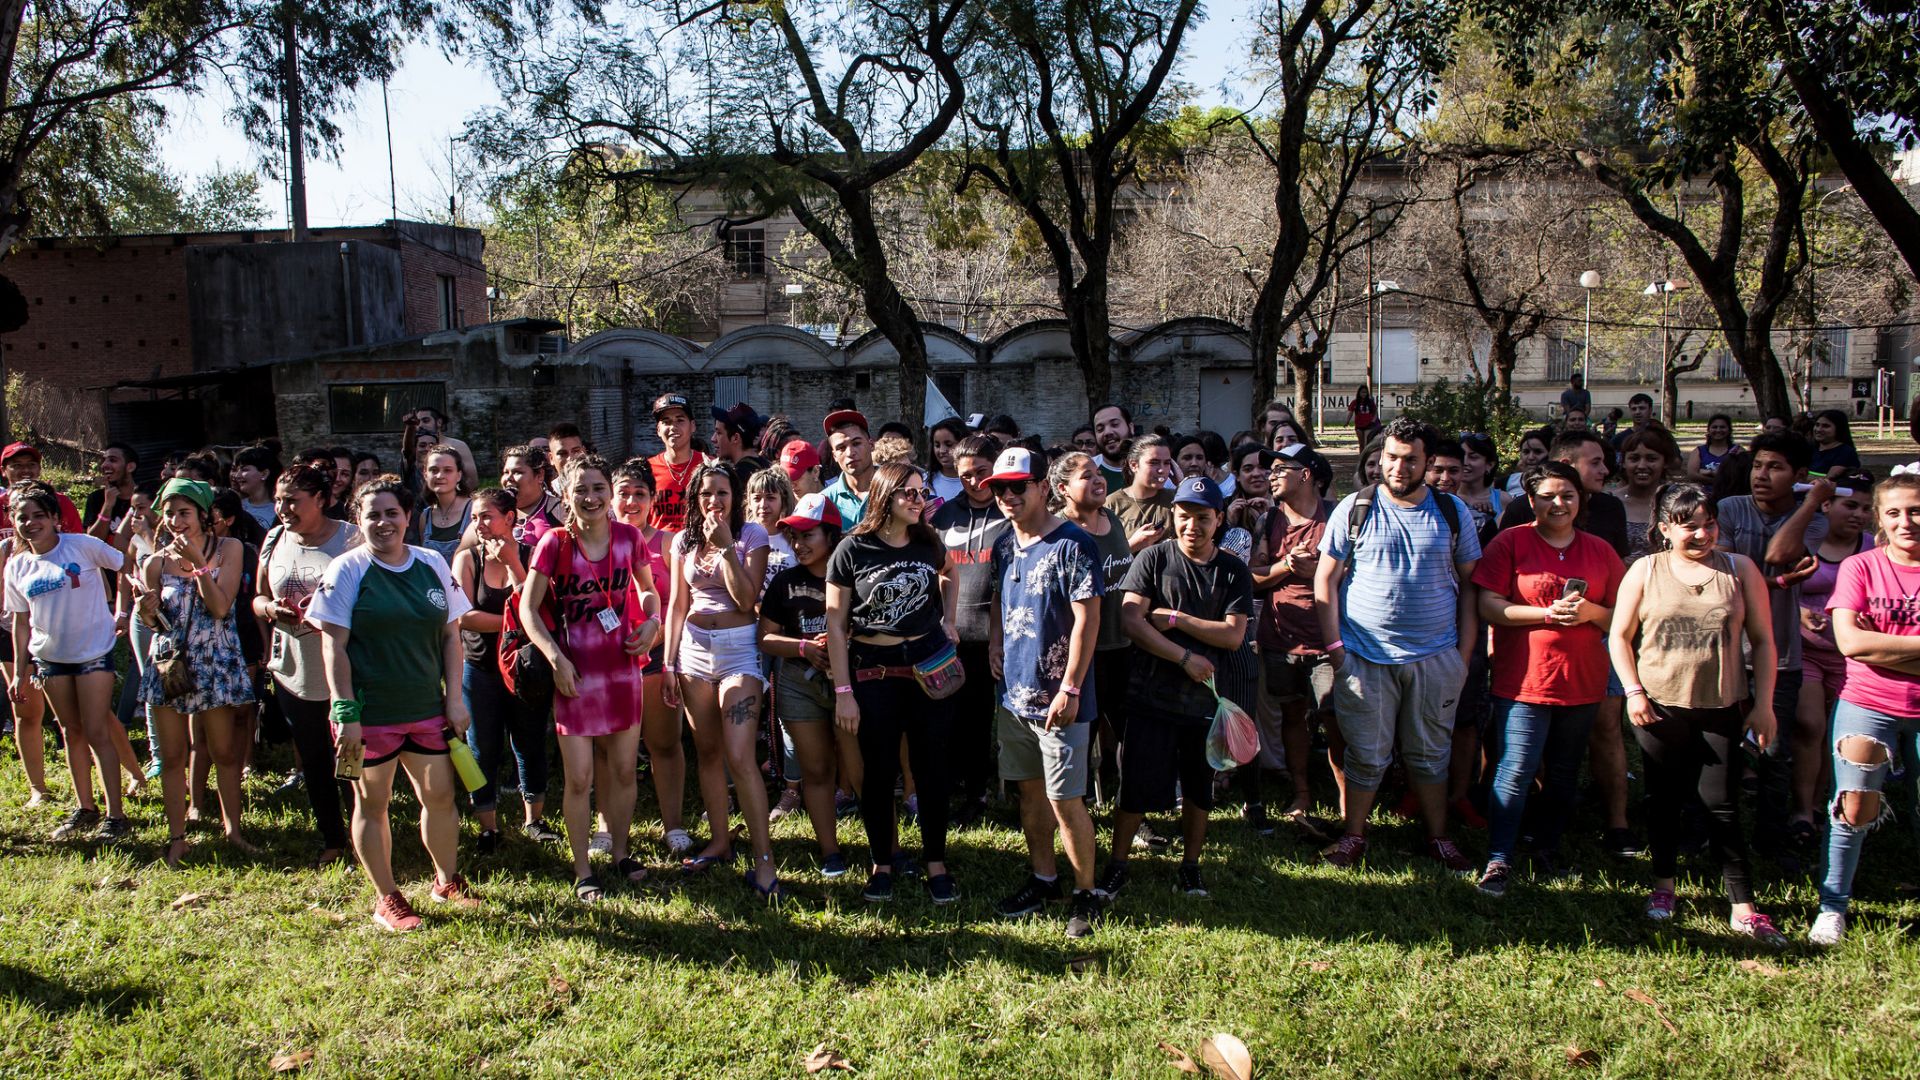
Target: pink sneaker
1345, 852
394, 913
1447, 854
1660, 905
1759, 928
455, 891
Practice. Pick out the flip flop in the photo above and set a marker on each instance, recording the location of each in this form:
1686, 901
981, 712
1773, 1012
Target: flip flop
701, 863
632, 869
588, 890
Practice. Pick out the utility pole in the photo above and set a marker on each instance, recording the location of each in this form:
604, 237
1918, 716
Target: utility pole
290, 96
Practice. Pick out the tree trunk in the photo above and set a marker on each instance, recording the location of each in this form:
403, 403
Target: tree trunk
1754, 352
866, 263
1264, 343
1090, 330
1306, 384
290, 99
1503, 354
1670, 371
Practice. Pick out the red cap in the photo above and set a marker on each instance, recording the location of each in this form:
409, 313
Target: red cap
797, 457
846, 416
813, 509
16, 449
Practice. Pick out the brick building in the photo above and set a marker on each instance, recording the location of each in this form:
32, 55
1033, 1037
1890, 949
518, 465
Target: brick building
145, 338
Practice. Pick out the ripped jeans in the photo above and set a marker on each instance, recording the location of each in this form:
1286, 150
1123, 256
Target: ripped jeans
1845, 840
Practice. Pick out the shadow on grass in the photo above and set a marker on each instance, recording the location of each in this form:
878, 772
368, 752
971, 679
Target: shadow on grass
59, 999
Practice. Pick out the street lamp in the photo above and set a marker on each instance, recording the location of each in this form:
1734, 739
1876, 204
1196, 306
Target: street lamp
1380, 288
1589, 281
1663, 289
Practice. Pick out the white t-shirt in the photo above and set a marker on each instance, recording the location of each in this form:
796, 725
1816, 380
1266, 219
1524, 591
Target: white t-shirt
63, 595
948, 488
332, 604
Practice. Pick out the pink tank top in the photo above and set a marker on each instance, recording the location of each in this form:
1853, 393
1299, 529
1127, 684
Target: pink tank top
706, 584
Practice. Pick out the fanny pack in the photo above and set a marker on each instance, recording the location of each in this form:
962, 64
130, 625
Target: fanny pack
940, 676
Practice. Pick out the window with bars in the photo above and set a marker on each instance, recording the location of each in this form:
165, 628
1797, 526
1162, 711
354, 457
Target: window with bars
747, 251
1830, 353
1725, 366
1563, 359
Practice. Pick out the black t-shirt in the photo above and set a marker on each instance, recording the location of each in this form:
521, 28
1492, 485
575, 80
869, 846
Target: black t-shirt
1606, 518
796, 601
1214, 590
896, 590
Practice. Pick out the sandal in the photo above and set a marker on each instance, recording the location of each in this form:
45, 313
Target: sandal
701, 863
773, 893
632, 869
588, 890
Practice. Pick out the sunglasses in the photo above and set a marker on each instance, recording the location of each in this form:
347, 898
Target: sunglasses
915, 494
1009, 487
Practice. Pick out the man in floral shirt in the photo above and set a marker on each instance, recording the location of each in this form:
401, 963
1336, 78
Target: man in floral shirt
1047, 585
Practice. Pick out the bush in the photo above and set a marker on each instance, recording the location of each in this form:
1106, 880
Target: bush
1473, 405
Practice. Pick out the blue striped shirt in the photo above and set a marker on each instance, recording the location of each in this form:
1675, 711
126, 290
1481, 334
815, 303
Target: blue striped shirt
1399, 600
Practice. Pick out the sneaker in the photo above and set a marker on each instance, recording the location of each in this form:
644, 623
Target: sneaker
679, 841
1494, 880
80, 820
845, 805
1345, 852
488, 843
1082, 912
1828, 928
879, 888
294, 782
789, 802
1255, 815
540, 832
833, 866
943, 888
1032, 896
1188, 880
1470, 817
1660, 904
1621, 844
394, 913
1759, 928
113, 830
1112, 880
1448, 854
455, 891
601, 844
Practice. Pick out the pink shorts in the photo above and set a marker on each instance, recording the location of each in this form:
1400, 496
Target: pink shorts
387, 741
1826, 666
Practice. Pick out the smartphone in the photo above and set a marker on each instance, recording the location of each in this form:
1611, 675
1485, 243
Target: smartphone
1575, 587
348, 761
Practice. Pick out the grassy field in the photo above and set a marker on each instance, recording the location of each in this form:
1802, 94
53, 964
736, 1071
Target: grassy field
1396, 971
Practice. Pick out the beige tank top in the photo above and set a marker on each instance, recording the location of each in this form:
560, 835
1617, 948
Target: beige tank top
1689, 647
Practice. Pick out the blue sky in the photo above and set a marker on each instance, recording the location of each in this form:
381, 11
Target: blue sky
431, 97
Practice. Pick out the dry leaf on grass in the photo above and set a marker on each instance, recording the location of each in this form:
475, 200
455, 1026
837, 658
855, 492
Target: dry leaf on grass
1316, 965
330, 916
111, 882
1761, 967
190, 899
1227, 1056
1659, 1013
291, 1062
823, 1059
1180, 1059
1582, 1058
1601, 983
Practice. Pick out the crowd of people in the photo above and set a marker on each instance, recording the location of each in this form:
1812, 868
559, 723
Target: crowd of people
879, 636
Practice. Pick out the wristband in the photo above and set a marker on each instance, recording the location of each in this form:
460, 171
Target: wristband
1172, 618
1069, 689
843, 689
1634, 688
342, 713
1332, 645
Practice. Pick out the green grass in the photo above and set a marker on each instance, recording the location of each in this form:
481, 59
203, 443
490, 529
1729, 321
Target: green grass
1395, 971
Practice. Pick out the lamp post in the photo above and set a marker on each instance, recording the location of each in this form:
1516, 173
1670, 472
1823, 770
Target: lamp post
1664, 289
1380, 288
1589, 281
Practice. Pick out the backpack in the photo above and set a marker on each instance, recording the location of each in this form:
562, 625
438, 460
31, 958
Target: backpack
1363, 505
523, 667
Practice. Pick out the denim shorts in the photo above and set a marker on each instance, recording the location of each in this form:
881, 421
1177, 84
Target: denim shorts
48, 669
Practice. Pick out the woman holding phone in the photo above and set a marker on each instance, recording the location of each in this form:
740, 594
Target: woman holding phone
390, 614
1548, 590
1676, 645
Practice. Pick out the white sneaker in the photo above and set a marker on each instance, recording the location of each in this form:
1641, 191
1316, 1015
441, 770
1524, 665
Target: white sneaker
1828, 929
601, 844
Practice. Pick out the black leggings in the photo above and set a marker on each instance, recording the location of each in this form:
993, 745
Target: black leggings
312, 731
972, 710
890, 708
1695, 754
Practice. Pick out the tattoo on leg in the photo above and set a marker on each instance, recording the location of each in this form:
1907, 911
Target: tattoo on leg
743, 710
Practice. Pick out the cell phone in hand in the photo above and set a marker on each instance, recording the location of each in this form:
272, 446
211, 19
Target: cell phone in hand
1575, 587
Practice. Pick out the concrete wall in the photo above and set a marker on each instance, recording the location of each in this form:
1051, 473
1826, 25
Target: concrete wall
250, 302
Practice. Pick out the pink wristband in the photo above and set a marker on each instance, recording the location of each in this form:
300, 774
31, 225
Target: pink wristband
1332, 645
1633, 688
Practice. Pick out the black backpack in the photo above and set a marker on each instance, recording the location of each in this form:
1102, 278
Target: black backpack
1363, 505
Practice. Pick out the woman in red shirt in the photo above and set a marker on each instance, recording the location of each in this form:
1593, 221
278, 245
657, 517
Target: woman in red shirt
1548, 589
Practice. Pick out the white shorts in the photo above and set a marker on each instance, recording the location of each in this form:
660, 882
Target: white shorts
713, 655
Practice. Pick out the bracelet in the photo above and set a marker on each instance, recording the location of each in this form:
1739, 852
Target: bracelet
1332, 645
843, 689
1185, 655
342, 713
1173, 620
1634, 688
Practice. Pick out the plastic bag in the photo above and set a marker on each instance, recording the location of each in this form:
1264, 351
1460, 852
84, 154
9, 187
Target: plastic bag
1232, 740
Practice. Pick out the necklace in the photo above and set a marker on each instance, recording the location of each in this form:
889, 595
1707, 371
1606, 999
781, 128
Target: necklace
1698, 590
679, 473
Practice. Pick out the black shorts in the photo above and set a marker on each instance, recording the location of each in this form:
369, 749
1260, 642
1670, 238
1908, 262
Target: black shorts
1111, 670
1156, 752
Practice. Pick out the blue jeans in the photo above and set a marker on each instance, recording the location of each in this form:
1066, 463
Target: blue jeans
1525, 736
499, 716
1845, 840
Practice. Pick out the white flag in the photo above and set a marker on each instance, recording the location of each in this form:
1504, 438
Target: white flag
938, 408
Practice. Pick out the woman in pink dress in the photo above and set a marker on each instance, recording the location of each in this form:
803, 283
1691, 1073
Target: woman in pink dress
583, 574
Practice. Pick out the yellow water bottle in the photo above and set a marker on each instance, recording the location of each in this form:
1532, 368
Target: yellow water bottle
465, 763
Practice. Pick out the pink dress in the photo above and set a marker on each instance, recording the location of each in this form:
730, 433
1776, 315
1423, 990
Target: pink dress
610, 699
